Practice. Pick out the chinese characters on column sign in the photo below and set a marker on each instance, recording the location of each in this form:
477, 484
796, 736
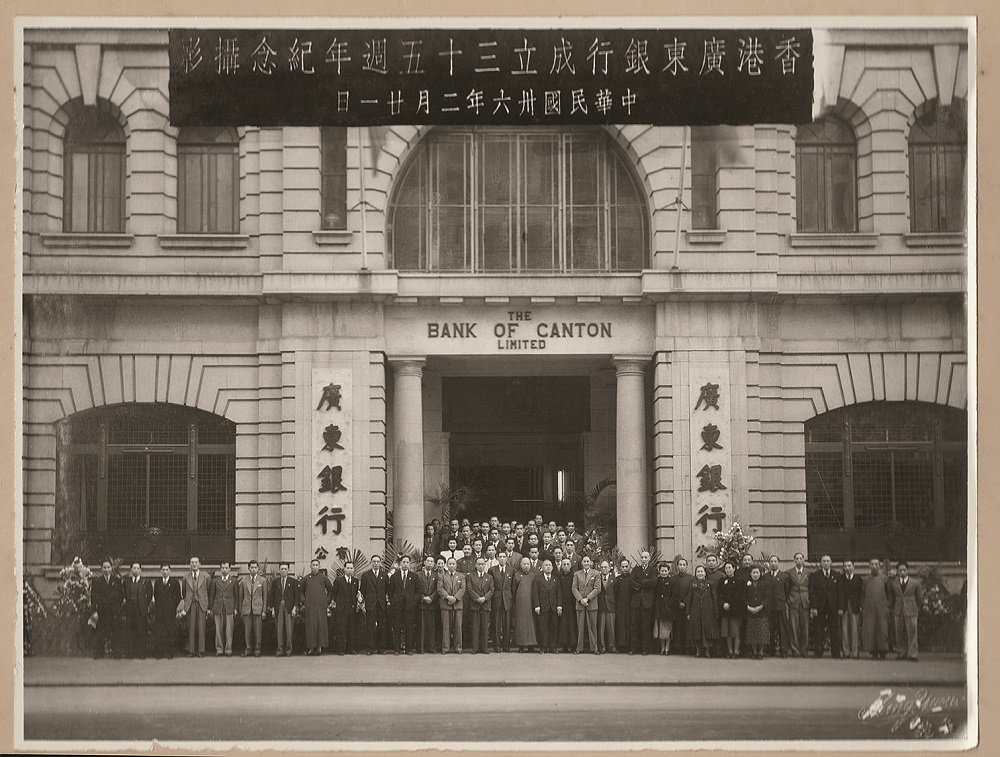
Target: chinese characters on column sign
331, 431
356, 77
711, 456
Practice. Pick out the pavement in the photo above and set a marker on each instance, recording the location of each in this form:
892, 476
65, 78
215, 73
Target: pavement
504, 669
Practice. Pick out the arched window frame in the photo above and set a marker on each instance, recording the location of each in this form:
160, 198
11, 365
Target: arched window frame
826, 177
148, 470
562, 201
93, 172
887, 476
937, 146
208, 180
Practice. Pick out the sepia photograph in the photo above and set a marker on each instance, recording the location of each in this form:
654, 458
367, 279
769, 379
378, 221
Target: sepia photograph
378, 375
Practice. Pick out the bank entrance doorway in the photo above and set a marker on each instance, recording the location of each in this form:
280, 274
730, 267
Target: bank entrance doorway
517, 443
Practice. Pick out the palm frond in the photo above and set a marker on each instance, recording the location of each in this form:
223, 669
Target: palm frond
344, 556
395, 551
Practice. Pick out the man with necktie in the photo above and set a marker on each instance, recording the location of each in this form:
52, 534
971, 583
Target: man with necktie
375, 590
798, 607
906, 595
137, 595
252, 604
451, 593
195, 607
851, 587
586, 589
479, 595
222, 603
546, 596
824, 605
643, 578
606, 606
284, 602
403, 591
427, 606
777, 585
345, 611
166, 598
503, 602
106, 600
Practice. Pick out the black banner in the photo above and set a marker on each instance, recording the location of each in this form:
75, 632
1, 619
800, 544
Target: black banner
490, 76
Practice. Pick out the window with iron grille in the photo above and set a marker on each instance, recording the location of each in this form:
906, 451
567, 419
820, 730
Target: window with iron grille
94, 172
826, 159
208, 180
887, 469
333, 177
937, 172
533, 200
132, 469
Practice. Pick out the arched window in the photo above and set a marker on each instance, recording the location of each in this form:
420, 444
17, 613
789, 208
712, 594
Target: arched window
94, 172
887, 479
208, 179
826, 159
149, 482
528, 200
333, 177
937, 171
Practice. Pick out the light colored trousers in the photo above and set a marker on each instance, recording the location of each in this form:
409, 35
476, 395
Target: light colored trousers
849, 642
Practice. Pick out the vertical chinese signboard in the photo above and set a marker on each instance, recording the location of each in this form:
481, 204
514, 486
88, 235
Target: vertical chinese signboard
331, 474
711, 453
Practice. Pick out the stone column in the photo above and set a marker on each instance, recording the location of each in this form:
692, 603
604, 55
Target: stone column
630, 442
408, 451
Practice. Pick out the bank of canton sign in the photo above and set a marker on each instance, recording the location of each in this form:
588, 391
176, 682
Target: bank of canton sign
518, 331
519, 77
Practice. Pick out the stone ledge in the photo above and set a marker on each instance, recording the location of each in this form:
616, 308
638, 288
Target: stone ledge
706, 236
935, 239
211, 242
87, 240
332, 237
853, 239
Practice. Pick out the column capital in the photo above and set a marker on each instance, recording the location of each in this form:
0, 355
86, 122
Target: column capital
407, 366
626, 365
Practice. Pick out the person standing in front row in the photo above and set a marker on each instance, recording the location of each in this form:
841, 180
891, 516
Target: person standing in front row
732, 607
850, 590
427, 606
907, 595
375, 590
757, 621
623, 605
284, 604
586, 589
479, 596
503, 602
166, 601
106, 601
546, 595
778, 585
222, 603
643, 582
875, 611
137, 595
251, 603
606, 609
524, 617
798, 607
664, 608
195, 607
345, 609
824, 605
315, 590
451, 592
403, 591
703, 625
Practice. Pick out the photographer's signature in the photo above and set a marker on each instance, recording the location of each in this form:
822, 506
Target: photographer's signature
919, 714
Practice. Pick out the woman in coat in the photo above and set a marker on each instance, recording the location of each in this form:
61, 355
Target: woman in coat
524, 613
703, 625
731, 596
758, 628
664, 604
875, 612
567, 621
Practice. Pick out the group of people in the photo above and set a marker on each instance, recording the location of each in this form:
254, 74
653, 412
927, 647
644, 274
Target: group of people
531, 587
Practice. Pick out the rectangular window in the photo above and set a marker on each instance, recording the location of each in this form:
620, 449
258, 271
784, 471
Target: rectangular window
704, 185
333, 177
95, 190
207, 182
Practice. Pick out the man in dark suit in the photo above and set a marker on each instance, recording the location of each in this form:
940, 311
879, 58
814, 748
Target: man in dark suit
403, 592
284, 602
798, 607
138, 593
427, 607
503, 603
222, 603
824, 605
851, 590
106, 602
375, 590
623, 605
479, 596
345, 611
166, 598
777, 585
606, 604
546, 596
643, 578
906, 594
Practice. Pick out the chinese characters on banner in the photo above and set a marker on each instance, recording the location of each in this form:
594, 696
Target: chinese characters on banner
330, 473
355, 77
711, 454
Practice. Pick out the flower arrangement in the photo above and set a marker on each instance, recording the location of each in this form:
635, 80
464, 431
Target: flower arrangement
34, 617
733, 543
73, 600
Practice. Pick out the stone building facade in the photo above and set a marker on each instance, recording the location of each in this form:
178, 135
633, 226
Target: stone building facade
188, 295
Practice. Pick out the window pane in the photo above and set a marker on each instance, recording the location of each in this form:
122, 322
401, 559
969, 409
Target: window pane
452, 235
80, 192
872, 479
112, 204
192, 201
216, 499
808, 170
953, 215
825, 490
540, 185
913, 473
920, 190
408, 235
495, 168
629, 238
584, 162
225, 220
495, 242
168, 491
703, 181
333, 176
452, 173
586, 239
126, 492
539, 238
842, 203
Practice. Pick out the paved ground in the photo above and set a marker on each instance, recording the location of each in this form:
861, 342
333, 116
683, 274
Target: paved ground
510, 697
